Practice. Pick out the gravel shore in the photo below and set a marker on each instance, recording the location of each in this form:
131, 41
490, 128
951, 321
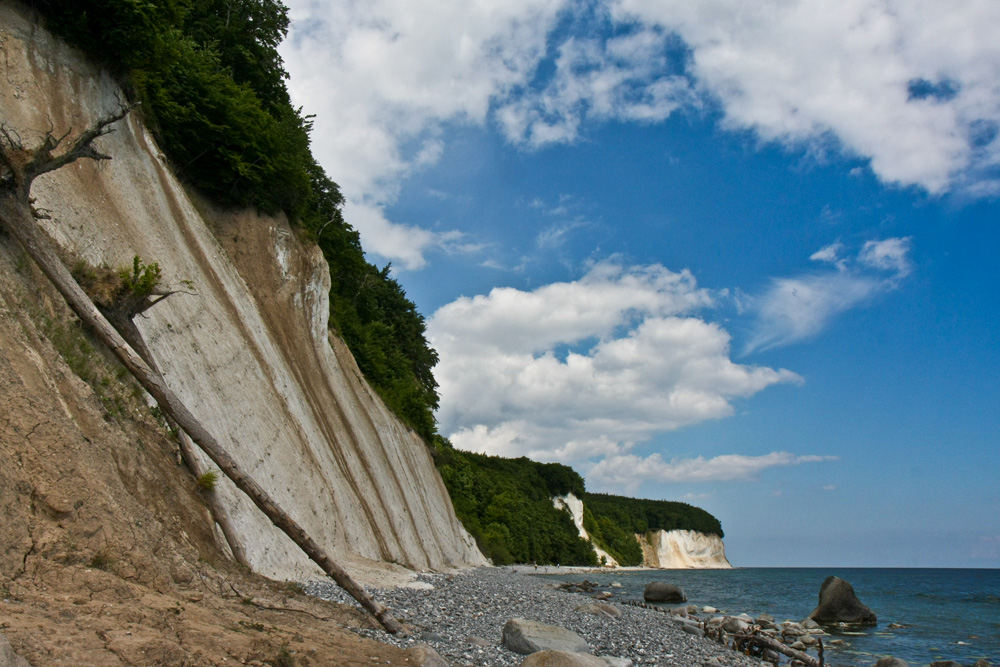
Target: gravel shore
463, 615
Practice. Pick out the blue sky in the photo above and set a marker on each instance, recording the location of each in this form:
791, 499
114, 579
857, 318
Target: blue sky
740, 256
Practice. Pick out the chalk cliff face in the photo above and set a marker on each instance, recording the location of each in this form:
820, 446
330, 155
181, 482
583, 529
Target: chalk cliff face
248, 349
683, 549
574, 506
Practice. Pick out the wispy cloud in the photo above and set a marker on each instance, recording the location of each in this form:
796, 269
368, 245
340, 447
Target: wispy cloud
579, 370
629, 471
798, 308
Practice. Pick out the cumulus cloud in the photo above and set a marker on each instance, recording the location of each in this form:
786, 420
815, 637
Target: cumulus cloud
629, 471
630, 77
798, 308
383, 75
581, 370
909, 86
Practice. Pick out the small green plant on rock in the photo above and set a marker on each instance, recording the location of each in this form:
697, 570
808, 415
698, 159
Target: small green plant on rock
208, 480
101, 560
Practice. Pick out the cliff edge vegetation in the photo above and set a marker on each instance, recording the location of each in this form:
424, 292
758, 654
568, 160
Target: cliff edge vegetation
506, 504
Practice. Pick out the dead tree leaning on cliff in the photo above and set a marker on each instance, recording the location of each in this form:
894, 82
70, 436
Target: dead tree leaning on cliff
19, 167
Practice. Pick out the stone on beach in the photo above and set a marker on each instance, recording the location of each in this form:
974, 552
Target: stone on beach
525, 637
839, 604
600, 609
423, 655
661, 591
550, 658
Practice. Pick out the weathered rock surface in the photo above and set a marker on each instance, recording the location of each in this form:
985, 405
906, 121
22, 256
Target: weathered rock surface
7, 656
661, 591
526, 637
422, 655
839, 604
550, 658
677, 549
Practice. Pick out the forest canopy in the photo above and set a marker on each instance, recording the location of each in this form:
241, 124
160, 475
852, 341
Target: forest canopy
506, 504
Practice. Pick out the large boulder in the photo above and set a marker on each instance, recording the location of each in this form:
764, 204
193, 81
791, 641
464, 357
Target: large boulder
526, 637
661, 591
839, 604
562, 659
422, 655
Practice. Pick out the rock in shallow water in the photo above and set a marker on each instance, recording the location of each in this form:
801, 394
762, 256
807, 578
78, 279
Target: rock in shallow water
839, 604
661, 591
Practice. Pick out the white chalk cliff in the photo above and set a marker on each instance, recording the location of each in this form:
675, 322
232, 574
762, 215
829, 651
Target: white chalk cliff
249, 352
683, 549
667, 549
574, 506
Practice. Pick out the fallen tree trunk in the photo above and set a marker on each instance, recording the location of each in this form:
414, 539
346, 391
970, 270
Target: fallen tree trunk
18, 168
126, 327
775, 645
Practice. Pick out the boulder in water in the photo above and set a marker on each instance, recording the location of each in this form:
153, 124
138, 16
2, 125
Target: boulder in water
839, 604
890, 661
661, 591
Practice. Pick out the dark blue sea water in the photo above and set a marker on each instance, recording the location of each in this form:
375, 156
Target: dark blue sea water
948, 614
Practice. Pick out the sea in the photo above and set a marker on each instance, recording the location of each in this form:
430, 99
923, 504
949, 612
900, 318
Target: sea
942, 614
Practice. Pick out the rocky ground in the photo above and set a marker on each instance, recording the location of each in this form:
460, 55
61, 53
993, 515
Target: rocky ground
462, 617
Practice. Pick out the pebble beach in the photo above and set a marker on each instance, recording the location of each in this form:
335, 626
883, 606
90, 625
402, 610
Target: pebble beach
462, 616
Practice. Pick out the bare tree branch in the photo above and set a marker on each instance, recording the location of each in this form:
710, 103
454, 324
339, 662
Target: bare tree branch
43, 160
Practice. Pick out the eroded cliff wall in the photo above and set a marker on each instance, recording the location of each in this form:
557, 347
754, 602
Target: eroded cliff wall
248, 349
682, 549
574, 506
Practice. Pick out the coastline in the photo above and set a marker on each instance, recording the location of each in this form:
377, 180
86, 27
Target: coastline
461, 616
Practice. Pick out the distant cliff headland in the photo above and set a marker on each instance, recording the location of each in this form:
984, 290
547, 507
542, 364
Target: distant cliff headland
521, 511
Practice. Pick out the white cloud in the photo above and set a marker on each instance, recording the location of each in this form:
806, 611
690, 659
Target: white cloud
628, 77
911, 85
830, 253
629, 471
888, 255
794, 309
383, 75
580, 370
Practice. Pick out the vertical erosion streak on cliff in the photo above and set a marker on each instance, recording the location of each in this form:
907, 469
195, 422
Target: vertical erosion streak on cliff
291, 292
280, 300
295, 382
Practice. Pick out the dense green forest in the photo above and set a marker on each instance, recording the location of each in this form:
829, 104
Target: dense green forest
507, 506
211, 86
